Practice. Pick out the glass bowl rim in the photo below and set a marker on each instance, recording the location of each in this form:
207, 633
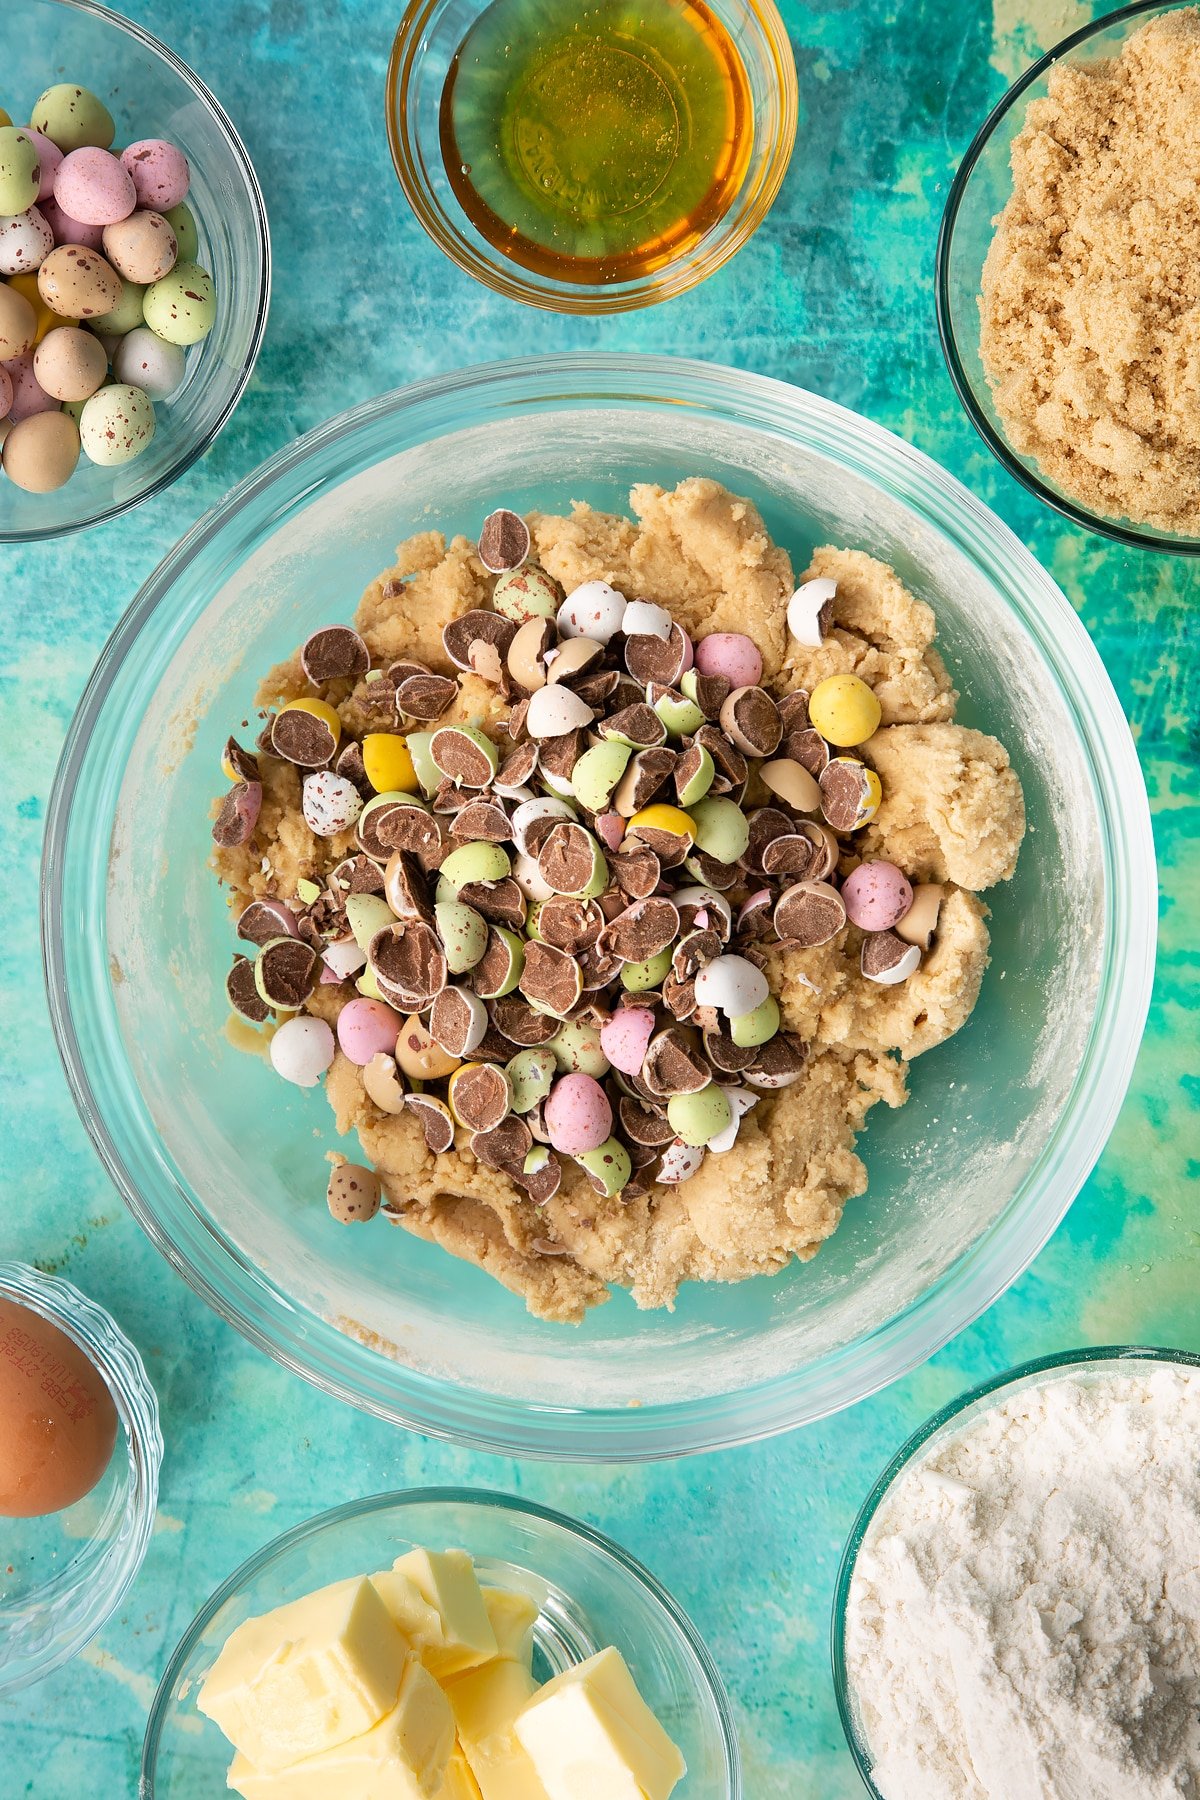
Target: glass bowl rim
1024, 1373
484, 1499
191, 453
1138, 538
507, 1426
590, 300
93, 1328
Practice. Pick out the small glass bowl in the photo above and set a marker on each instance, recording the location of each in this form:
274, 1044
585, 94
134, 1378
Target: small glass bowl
952, 1419
430, 34
151, 93
589, 1592
62, 1575
978, 193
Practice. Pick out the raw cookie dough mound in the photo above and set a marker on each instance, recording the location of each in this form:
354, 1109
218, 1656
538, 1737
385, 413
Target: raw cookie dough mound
772, 1186
952, 806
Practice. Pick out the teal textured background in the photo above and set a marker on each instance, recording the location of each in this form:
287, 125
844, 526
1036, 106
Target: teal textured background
835, 293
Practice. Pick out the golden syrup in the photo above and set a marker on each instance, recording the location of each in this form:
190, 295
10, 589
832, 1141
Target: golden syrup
596, 140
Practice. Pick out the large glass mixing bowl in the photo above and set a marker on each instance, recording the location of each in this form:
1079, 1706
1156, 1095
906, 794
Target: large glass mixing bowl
222, 1164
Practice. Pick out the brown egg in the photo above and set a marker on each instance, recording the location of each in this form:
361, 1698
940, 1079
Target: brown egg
77, 283
70, 364
58, 1423
40, 454
18, 323
142, 247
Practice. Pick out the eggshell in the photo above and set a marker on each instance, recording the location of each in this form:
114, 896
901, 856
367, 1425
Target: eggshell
68, 230
18, 323
70, 363
577, 1114
58, 1422
49, 158
625, 1036
367, 1028
142, 247
77, 283
144, 360
93, 186
159, 172
302, 1049
26, 240
733, 984
679, 1162
594, 610
644, 619
555, 710
117, 425
876, 895
41, 451
29, 396
805, 607
731, 654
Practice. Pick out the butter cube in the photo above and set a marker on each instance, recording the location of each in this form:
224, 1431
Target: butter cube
459, 1783
308, 1676
445, 1579
404, 1757
411, 1613
512, 1617
591, 1736
485, 1702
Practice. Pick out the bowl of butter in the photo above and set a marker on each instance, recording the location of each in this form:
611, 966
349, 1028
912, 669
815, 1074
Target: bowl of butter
440, 1644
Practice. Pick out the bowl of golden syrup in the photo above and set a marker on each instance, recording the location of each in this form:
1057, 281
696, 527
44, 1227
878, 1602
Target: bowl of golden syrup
591, 155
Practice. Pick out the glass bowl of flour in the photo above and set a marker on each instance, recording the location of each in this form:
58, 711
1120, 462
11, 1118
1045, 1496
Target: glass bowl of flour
1018, 1606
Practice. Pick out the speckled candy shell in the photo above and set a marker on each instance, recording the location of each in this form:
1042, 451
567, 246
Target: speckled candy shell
93, 186
28, 394
116, 425
159, 173
26, 240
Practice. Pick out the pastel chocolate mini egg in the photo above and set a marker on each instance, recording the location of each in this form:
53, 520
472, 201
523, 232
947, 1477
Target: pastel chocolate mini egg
731, 654
125, 315
182, 307
876, 895
20, 170
117, 425
41, 451
302, 1049
58, 1421
68, 230
182, 222
70, 363
44, 317
28, 394
26, 240
78, 283
145, 360
353, 1194
159, 172
18, 323
578, 1115
6, 393
733, 984
142, 247
91, 185
72, 116
592, 610
49, 158
625, 1037
366, 1029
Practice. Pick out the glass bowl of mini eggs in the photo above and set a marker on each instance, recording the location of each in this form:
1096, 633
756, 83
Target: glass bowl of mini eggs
134, 267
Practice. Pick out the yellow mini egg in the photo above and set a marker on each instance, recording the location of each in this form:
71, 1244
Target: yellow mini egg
46, 319
320, 709
388, 763
664, 818
844, 710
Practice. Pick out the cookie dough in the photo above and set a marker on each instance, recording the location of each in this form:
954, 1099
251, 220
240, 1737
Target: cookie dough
952, 813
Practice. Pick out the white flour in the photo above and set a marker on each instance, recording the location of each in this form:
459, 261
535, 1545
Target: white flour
1024, 1619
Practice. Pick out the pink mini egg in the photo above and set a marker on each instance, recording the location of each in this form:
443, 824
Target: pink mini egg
611, 829
367, 1028
732, 655
71, 231
625, 1037
28, 394
49, 157
876, 895
93, 186
577, 1115
6, 391
160, 173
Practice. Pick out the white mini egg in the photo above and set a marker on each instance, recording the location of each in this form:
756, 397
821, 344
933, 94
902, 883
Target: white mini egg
147, 361
26, 240
530, 811
740, 1102
553, 711
301, 1050
644, 619
330, 803
344, 958
900, 971
679, 1162
720, 913
529, 878
804, 610
733, 984
594, 610
116, 424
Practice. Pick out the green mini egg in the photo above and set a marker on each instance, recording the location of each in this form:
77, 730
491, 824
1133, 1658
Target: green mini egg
20, 172
637, 977
597, 773
183, 224
492, 983
576, 1050
72, 117
757, 1027
694, 790
182, 307
609, 1167
722, 829
463, 932
116, 425
365, 915
698, 1118
428, 773
125, 316
680, 715
531, 1076
474, 862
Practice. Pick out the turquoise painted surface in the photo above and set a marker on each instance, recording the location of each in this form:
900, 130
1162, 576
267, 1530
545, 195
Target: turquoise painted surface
835, 293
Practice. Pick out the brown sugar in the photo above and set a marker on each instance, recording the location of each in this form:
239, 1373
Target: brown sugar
1091, 289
